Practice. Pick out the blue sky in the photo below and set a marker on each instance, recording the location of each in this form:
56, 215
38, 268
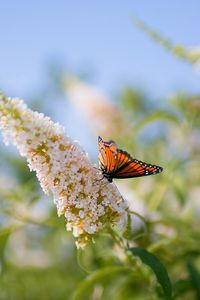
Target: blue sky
98, 36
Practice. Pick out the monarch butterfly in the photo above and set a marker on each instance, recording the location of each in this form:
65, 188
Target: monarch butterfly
117, 163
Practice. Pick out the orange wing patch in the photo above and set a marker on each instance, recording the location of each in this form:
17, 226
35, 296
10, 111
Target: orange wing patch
107, 155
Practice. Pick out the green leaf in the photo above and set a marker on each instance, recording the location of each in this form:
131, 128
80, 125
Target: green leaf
156, 116
97, 277
127, 234
157, 267
4, 236
180, 51
195, 278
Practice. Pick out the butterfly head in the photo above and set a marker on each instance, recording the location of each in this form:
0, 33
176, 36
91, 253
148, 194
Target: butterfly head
107, 176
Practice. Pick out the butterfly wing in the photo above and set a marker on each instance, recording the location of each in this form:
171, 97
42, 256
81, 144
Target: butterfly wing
128, 167
107, 156
116, 163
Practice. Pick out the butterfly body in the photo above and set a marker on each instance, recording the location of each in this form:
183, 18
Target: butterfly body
117, 163
108, 176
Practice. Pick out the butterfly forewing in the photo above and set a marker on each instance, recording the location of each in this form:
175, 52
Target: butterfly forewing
107, 155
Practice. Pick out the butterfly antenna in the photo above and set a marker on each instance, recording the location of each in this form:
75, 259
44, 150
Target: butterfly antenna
96, 168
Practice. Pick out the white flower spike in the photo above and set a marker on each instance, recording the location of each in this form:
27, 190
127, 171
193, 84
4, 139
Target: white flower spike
63, 170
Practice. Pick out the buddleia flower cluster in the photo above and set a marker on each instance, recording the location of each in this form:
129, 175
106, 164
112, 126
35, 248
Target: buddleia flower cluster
104, 117
63, 170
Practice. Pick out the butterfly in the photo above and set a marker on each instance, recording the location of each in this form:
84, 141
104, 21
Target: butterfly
117, 163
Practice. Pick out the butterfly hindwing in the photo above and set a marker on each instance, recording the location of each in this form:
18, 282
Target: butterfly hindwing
129, 167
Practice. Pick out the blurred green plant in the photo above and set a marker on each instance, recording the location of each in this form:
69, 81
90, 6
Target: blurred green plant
190, 55
157, 256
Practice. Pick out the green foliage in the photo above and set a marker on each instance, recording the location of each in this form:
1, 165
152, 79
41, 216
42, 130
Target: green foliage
101, 276
160, 241
158, 268
190, 55
195, 278
32, 283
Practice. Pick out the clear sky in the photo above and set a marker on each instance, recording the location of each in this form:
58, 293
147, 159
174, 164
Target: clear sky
98, 36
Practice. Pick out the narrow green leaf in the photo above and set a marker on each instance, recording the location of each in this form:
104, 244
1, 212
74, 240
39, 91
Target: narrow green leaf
195, 278
95, 277
180, 51
157, 116
4, 236
128, 229
157, 267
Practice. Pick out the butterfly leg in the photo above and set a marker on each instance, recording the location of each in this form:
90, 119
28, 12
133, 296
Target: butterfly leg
98, 180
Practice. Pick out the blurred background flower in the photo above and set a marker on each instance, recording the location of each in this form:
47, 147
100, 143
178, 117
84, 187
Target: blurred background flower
103, 116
